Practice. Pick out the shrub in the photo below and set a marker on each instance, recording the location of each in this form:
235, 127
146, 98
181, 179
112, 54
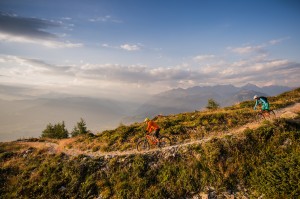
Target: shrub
278, 178
58, 131
212, 104
80, 128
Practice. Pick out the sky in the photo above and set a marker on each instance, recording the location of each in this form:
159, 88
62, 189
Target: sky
130, 49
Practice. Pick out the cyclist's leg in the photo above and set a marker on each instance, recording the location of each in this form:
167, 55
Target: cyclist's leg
154, 137
262, 112
156, 133
265, 109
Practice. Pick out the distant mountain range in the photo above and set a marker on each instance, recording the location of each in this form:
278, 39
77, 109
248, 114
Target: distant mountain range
196, 98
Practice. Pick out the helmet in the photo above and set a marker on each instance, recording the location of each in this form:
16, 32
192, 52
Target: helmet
255, 96
146, 119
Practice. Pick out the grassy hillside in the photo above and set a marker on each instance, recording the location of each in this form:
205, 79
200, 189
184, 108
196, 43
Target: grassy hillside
184, 126
262, 161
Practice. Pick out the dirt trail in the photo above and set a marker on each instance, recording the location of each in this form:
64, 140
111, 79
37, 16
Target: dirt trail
288, 112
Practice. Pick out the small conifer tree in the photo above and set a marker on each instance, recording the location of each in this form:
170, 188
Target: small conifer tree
80, 128
57, 131
212, 104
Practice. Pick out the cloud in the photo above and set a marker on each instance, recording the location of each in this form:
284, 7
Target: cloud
253, 65
276, 41
27, 27
126, 47
113, 72
258, 49
278, 71
110, 46
129, 47
106, 18
31, 30
200, 58
66, 18
19, 66
238, 72
47, 43
248, 49
199, 70
54, 69
15, 92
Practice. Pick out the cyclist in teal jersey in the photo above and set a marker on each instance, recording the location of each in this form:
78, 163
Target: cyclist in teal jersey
263, 101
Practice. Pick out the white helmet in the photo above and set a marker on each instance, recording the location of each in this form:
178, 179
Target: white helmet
255, 96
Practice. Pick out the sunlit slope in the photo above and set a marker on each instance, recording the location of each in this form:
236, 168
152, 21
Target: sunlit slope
184, 126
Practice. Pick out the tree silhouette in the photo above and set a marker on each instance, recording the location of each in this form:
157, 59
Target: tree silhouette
57, 131
80, 128
212, 104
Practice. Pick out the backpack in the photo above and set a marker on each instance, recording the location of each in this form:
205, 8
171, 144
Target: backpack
263, 98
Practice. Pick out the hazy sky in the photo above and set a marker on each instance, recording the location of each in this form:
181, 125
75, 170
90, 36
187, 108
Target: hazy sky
132, 48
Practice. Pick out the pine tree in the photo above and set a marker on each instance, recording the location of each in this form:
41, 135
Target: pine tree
49, 131
212, 104
57, 131
80, 128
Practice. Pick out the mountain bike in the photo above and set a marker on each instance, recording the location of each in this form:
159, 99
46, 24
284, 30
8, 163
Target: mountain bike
144, 143
265, 115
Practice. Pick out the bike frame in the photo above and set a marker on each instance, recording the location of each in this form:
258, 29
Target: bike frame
151, 139
144, 143
266, 114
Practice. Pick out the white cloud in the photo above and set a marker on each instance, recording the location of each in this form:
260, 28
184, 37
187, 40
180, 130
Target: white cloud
199, 70
46, 43
218, 73
127, 47
130, 47
276, 41
66, 18
239, 63
247, 49
102, 18
110, 46
200, 58
106, 18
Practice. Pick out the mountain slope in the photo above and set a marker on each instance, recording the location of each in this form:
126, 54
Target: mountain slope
289, 112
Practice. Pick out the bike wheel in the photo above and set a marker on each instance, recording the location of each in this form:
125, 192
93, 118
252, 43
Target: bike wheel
272, 114
142, 145
259, 117
164, 142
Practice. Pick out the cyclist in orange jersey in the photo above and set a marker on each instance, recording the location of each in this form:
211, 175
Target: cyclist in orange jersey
152, 127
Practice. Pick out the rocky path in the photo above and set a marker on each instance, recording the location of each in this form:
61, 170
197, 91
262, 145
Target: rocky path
288, 112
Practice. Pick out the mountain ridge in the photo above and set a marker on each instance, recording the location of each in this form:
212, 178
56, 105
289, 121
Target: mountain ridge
195, 98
